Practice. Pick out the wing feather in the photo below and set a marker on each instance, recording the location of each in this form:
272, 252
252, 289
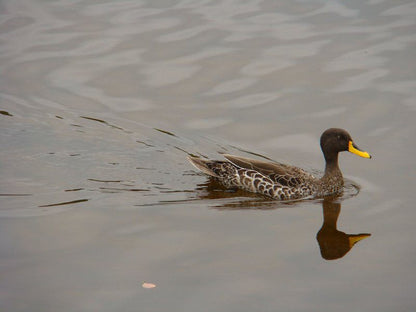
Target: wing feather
278, 172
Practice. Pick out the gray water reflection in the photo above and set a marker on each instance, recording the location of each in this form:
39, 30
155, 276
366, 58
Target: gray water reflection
333, 244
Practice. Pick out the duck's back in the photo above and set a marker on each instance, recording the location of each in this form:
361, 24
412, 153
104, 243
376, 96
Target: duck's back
283, 174
272, 179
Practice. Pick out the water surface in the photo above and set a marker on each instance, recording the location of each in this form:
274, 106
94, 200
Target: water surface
100, 103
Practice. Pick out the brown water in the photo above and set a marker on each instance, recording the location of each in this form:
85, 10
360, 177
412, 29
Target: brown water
102, 101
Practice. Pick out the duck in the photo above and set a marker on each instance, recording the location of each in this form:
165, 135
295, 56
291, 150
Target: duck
282, 181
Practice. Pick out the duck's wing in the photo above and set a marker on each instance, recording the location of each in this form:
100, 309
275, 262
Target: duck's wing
280, 173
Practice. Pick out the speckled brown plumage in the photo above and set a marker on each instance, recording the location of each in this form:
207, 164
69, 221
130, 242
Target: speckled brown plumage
281, 181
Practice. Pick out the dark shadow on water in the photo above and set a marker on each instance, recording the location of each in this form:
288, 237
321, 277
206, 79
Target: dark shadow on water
333, 244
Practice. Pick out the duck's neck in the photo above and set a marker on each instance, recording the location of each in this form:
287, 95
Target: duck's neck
332, 181
331, 167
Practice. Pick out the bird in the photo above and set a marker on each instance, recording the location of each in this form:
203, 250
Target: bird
282, 181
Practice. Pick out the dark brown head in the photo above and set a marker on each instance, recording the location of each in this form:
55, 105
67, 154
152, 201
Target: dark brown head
335, 140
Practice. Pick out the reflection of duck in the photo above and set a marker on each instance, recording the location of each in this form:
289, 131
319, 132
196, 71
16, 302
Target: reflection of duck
281, 181
234, 199
335, 244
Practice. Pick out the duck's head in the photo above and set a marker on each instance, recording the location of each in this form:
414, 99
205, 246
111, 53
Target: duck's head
336, 140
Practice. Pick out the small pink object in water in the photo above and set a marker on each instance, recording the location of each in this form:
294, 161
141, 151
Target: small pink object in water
148, 285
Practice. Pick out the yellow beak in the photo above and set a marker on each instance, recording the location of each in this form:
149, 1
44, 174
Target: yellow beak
353, 239
352, 148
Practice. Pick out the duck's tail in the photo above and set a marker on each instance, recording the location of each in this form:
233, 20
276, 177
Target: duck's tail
204, 165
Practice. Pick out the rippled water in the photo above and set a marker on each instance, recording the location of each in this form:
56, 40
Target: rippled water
100, 102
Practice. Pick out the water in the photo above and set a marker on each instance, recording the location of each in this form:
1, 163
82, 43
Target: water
101, 103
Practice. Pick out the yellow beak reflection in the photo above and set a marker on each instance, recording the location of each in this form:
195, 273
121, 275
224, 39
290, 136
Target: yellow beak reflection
353, 239
354, 149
